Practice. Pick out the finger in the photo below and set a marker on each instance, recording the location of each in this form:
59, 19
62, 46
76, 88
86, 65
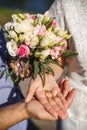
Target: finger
61, 84
65, 88
70, 97
57, 109
61, 97
53, 104
44, 115
39, 112
61, 106
43, 100
54, 91
30, 93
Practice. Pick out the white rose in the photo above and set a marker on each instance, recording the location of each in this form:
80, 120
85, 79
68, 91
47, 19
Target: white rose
34, 41
8, 26
31, 21
31, 38
48, 39
12, 48
24, 26
45, 53
27, 36
12, 34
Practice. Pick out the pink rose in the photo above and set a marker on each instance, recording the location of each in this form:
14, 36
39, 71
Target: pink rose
23, 51
65, 43
55, 53
58, 39
28, 15
34, 17
54, 23
40, 30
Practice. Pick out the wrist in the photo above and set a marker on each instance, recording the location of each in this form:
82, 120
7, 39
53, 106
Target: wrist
25, 112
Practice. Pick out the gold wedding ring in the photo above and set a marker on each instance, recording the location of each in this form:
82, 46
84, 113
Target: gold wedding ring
48, 93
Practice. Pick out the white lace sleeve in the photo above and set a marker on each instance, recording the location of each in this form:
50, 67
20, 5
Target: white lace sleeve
56, 10
73, 14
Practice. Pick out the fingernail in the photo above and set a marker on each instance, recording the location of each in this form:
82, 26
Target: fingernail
63, 117
55, 115
66, 78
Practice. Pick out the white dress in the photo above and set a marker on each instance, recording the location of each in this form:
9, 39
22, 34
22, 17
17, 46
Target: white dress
72, 15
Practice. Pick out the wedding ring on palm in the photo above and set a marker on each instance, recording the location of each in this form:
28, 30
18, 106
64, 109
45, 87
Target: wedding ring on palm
48, 92
57, 101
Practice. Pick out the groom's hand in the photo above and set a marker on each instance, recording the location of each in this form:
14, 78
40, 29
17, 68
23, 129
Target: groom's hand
36, 110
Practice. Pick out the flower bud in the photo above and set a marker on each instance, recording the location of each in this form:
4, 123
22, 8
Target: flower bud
19, 20
21, 16
16, 39
21, 39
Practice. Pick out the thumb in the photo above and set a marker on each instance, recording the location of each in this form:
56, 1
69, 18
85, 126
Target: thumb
30, 93
70, 97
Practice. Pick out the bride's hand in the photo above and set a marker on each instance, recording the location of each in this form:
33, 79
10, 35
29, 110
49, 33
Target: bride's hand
67, 93
36, 88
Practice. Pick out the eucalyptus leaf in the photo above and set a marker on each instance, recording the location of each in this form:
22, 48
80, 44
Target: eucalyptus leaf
36, 68
2, 73
55, 62
43, 74
11, 73
49, 69
69, 54
15, 78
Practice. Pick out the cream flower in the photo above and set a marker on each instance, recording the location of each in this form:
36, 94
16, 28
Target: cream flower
45, 53
40, 18
31, 39
12, 48
15, 17
48, 39
12, 34
34, 41
24, 26
8, 26
27, 36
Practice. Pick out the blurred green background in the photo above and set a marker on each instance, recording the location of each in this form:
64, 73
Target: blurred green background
8, 7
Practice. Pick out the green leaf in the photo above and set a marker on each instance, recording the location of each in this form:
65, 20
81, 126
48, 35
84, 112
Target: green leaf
55, 62
36, 68
11, 73
49, 69
2, 73
43, 74
69, 54
15, 78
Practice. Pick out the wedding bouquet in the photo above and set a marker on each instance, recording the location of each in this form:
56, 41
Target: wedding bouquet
33, 42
